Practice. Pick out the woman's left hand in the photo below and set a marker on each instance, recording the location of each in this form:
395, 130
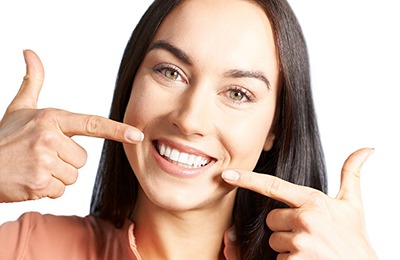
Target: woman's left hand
315, 226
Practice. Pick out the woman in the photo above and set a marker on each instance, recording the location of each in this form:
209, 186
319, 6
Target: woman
242, 102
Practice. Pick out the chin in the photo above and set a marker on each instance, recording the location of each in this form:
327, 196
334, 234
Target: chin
182, 198
170, 185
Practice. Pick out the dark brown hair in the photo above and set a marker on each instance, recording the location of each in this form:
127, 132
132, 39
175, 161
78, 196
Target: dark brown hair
296, 155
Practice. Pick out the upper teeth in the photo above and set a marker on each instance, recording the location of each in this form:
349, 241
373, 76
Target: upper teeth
181, 158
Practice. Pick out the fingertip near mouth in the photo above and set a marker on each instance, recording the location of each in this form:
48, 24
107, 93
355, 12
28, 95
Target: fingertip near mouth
134, 136
230, 175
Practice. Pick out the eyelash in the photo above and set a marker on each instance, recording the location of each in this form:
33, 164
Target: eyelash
246, 94
160, 68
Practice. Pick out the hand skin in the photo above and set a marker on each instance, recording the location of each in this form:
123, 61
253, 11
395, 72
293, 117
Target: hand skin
315, 226
38, 158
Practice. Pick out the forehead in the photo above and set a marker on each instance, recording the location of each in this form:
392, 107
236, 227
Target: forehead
234, 31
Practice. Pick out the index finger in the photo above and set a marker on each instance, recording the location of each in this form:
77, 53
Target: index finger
96, 126
291, 194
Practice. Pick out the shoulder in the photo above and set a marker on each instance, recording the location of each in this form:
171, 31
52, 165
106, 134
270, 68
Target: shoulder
48, 226
37, 236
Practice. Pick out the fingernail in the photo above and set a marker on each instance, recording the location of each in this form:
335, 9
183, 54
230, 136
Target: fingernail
134, 136
368, 154
230, 175
371, 152
232, 235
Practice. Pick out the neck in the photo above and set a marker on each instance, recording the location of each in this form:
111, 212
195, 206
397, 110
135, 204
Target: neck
189, 234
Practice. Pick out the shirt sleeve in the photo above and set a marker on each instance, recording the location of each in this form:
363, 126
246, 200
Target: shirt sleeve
35, 236
14, 237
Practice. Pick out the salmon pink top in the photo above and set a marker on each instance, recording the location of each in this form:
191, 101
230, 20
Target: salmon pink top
34, 236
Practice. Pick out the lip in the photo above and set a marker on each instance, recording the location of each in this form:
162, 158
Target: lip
176, 170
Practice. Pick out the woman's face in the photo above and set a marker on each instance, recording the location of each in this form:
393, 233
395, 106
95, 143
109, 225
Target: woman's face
204, 96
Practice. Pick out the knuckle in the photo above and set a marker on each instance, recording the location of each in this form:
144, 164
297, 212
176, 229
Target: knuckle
44, 162
91, 125
317, 199
299, 242
304, 219
44, 134
32, 195
272, 187
118, 130
39, 182
45, 138
46, 115
41, 166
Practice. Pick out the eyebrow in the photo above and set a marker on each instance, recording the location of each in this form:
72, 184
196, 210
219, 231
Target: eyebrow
164, 45
248, 74
184, 57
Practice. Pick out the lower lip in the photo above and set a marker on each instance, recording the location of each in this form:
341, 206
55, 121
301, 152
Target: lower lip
177, 170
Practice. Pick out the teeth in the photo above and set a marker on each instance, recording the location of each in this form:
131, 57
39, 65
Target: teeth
174, 156
191, 159
167, 151
161, 149
181, 158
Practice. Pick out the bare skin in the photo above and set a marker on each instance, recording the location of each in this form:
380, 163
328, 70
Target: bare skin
214, 101
304, 231
51, 159
315, 226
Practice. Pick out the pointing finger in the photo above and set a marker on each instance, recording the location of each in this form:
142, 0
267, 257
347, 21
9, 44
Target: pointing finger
29, 91
350, 179
96, 126
291, 194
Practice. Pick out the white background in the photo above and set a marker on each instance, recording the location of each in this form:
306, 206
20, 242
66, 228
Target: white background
354, 50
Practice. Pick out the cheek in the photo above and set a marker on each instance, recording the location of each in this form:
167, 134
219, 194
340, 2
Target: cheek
245, 142
139, 109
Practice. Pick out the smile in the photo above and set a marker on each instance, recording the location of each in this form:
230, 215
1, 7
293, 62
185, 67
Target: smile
181, 158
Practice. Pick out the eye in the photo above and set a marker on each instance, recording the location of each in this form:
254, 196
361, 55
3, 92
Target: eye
236, 95
239, 95
169, 72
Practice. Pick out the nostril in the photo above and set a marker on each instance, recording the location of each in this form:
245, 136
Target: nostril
189, 124
193, 115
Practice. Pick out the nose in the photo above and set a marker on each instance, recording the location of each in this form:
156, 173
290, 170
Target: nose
192, 114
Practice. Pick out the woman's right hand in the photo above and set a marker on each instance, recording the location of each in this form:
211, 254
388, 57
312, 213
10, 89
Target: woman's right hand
38, 158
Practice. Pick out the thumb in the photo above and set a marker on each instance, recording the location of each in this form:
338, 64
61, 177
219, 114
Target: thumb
29, 91
350, 178
231, 249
